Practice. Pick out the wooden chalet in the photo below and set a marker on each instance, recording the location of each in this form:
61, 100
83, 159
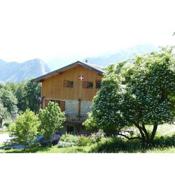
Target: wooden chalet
73, 88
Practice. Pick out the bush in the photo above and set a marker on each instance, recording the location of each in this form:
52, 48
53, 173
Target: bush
97, 137
72, 140
83, 141
51, 119
69, 138
25, 128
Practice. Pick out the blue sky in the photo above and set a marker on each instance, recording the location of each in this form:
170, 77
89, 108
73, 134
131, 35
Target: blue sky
67, 30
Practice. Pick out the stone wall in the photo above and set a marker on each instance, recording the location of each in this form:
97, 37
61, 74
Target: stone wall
85, 107
71, 108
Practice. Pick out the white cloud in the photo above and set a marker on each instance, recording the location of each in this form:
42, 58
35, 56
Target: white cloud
53, 28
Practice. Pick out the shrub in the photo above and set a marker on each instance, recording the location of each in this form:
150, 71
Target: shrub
72, 140
25, 128
97, 137
51, 119
83, 141
69, 138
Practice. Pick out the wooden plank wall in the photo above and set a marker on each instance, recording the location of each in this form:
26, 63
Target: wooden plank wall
53, 87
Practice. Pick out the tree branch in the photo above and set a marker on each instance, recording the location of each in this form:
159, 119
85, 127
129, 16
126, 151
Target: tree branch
129, 138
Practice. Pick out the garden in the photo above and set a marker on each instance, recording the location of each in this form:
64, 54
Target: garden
134, 111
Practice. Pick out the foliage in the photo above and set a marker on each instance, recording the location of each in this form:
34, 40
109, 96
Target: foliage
150, 91
109, 144
52, 119
4, 114
97, 137
25, 128
69, 138
81, 140
106, 104
84, 141
9, 101
32, 95
20, 94
137, 93
27, 94
90, 124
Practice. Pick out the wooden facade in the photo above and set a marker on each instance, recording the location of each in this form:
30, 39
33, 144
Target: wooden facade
53, 87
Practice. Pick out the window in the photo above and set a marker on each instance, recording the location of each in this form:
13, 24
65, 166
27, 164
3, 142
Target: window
68, 84
87, 84
98, 84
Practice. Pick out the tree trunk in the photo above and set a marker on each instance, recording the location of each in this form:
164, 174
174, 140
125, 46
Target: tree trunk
0, 123
143, 138
147, 139
153, 134
145, 132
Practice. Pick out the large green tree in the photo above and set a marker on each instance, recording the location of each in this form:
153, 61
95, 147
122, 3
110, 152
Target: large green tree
138, 93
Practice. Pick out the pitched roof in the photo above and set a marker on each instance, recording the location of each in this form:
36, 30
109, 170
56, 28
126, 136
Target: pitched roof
86, 65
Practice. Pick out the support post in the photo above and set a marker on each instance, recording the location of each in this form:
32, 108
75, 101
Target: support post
79, 107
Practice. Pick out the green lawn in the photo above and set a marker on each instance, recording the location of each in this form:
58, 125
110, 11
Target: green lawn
3, 131
164, 143
95, 148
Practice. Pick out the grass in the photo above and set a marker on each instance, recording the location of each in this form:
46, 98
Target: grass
53, 149
164, 143
3, 131
108, 145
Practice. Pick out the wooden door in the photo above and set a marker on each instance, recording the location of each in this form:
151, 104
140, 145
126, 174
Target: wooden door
62, 105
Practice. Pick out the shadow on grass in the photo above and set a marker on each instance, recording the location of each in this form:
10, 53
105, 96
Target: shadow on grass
29, 150
117, 145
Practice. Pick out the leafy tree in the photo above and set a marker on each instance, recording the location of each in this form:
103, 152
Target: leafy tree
24, 95
52, 119
106, 111
150, 92
9, 101
25, 128
32, 94
4, 114
138, 93
28, 94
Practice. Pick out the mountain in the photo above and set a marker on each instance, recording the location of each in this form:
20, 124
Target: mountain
104, 59
16, 72
121, 55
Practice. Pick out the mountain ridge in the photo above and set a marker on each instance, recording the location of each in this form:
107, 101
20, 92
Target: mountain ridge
17, 72
121, 55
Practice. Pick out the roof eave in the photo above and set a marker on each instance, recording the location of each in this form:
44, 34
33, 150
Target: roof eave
46, 76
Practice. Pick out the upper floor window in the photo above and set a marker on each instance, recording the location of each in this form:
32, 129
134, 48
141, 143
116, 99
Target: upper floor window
87, 84
98, 84
68, 84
